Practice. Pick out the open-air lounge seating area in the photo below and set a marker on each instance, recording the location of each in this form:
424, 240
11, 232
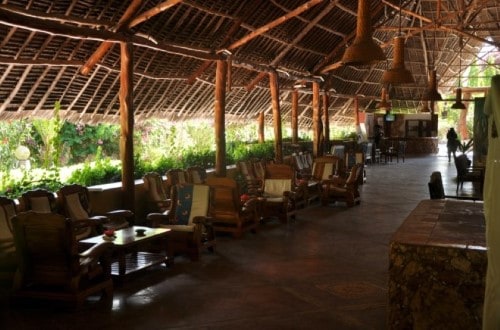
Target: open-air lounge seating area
219, 164
347, 286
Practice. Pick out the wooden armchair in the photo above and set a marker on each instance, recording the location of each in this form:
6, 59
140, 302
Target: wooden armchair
196, 175
39, 200
229, 212
158, 198
338, 189
188, 219
467, 173
49, 265
282, 197
8, 261
253, 183
75, 204
323, 168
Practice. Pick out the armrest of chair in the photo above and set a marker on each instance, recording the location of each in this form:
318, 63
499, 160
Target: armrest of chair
95, 252
93, 223
249, 205
100, 252
335, 181
155, 219
120, 213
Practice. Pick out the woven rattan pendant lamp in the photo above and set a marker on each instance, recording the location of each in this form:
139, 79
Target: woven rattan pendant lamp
458, 97
384, 104
364, 50
431, 93
398, 74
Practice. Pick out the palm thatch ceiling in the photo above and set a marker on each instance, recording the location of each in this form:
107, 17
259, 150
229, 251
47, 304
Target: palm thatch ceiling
69, 51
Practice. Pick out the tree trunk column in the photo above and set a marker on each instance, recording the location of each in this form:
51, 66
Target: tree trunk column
261, 127
295, 116
220, 109
278, 143
127, 124
316, 121
326, 105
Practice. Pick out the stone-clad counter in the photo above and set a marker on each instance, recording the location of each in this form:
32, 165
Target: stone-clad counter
437, 267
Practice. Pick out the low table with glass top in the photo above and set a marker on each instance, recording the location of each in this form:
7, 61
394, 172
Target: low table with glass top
127, 249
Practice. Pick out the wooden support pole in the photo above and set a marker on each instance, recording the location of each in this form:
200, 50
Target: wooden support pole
275, 99
326, 119
261, 127
295, 116
316, 120
127, 124
220, 109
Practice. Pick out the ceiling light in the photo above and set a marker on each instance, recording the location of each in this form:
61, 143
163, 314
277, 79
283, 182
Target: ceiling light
458, 97
364, 50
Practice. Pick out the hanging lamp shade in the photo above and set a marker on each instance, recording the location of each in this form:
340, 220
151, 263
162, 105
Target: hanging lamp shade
364, 50
458, 100
432, 94
425, 107
384, 104
398, 74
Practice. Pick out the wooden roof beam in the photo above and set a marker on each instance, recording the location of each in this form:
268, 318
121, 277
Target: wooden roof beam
153, 12
105, 46
77, 32
299, 37
274, 23
232, 31
125, 22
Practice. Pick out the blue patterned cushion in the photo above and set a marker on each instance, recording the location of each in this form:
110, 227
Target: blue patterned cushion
184, 202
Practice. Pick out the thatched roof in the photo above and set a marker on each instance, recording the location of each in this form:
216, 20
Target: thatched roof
47, 44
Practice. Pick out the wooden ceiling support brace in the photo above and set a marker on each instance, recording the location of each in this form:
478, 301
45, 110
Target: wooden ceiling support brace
105, 46
280, 20
294, 42
232, 31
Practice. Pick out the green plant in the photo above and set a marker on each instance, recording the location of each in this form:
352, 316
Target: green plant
465, 146
49, 179
49, 129
99, 172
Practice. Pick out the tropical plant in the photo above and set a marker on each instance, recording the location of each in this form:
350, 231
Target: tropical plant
49, 129
465, 146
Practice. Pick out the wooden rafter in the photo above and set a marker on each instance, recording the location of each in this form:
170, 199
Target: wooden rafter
105, 46
77, 32
126, 22
232, 31
273, 24
298, 38
153, 12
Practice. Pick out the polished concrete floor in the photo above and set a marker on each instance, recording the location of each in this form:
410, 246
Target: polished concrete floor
326, 270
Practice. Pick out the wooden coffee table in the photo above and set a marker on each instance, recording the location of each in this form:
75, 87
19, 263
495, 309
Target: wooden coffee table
127, 246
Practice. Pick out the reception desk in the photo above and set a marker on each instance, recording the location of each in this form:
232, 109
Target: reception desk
437, 267
416, 145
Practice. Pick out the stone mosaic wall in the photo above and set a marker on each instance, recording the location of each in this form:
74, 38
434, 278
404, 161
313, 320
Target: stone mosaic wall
432, 287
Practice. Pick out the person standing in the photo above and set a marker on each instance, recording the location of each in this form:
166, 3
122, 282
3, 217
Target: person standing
452, 143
